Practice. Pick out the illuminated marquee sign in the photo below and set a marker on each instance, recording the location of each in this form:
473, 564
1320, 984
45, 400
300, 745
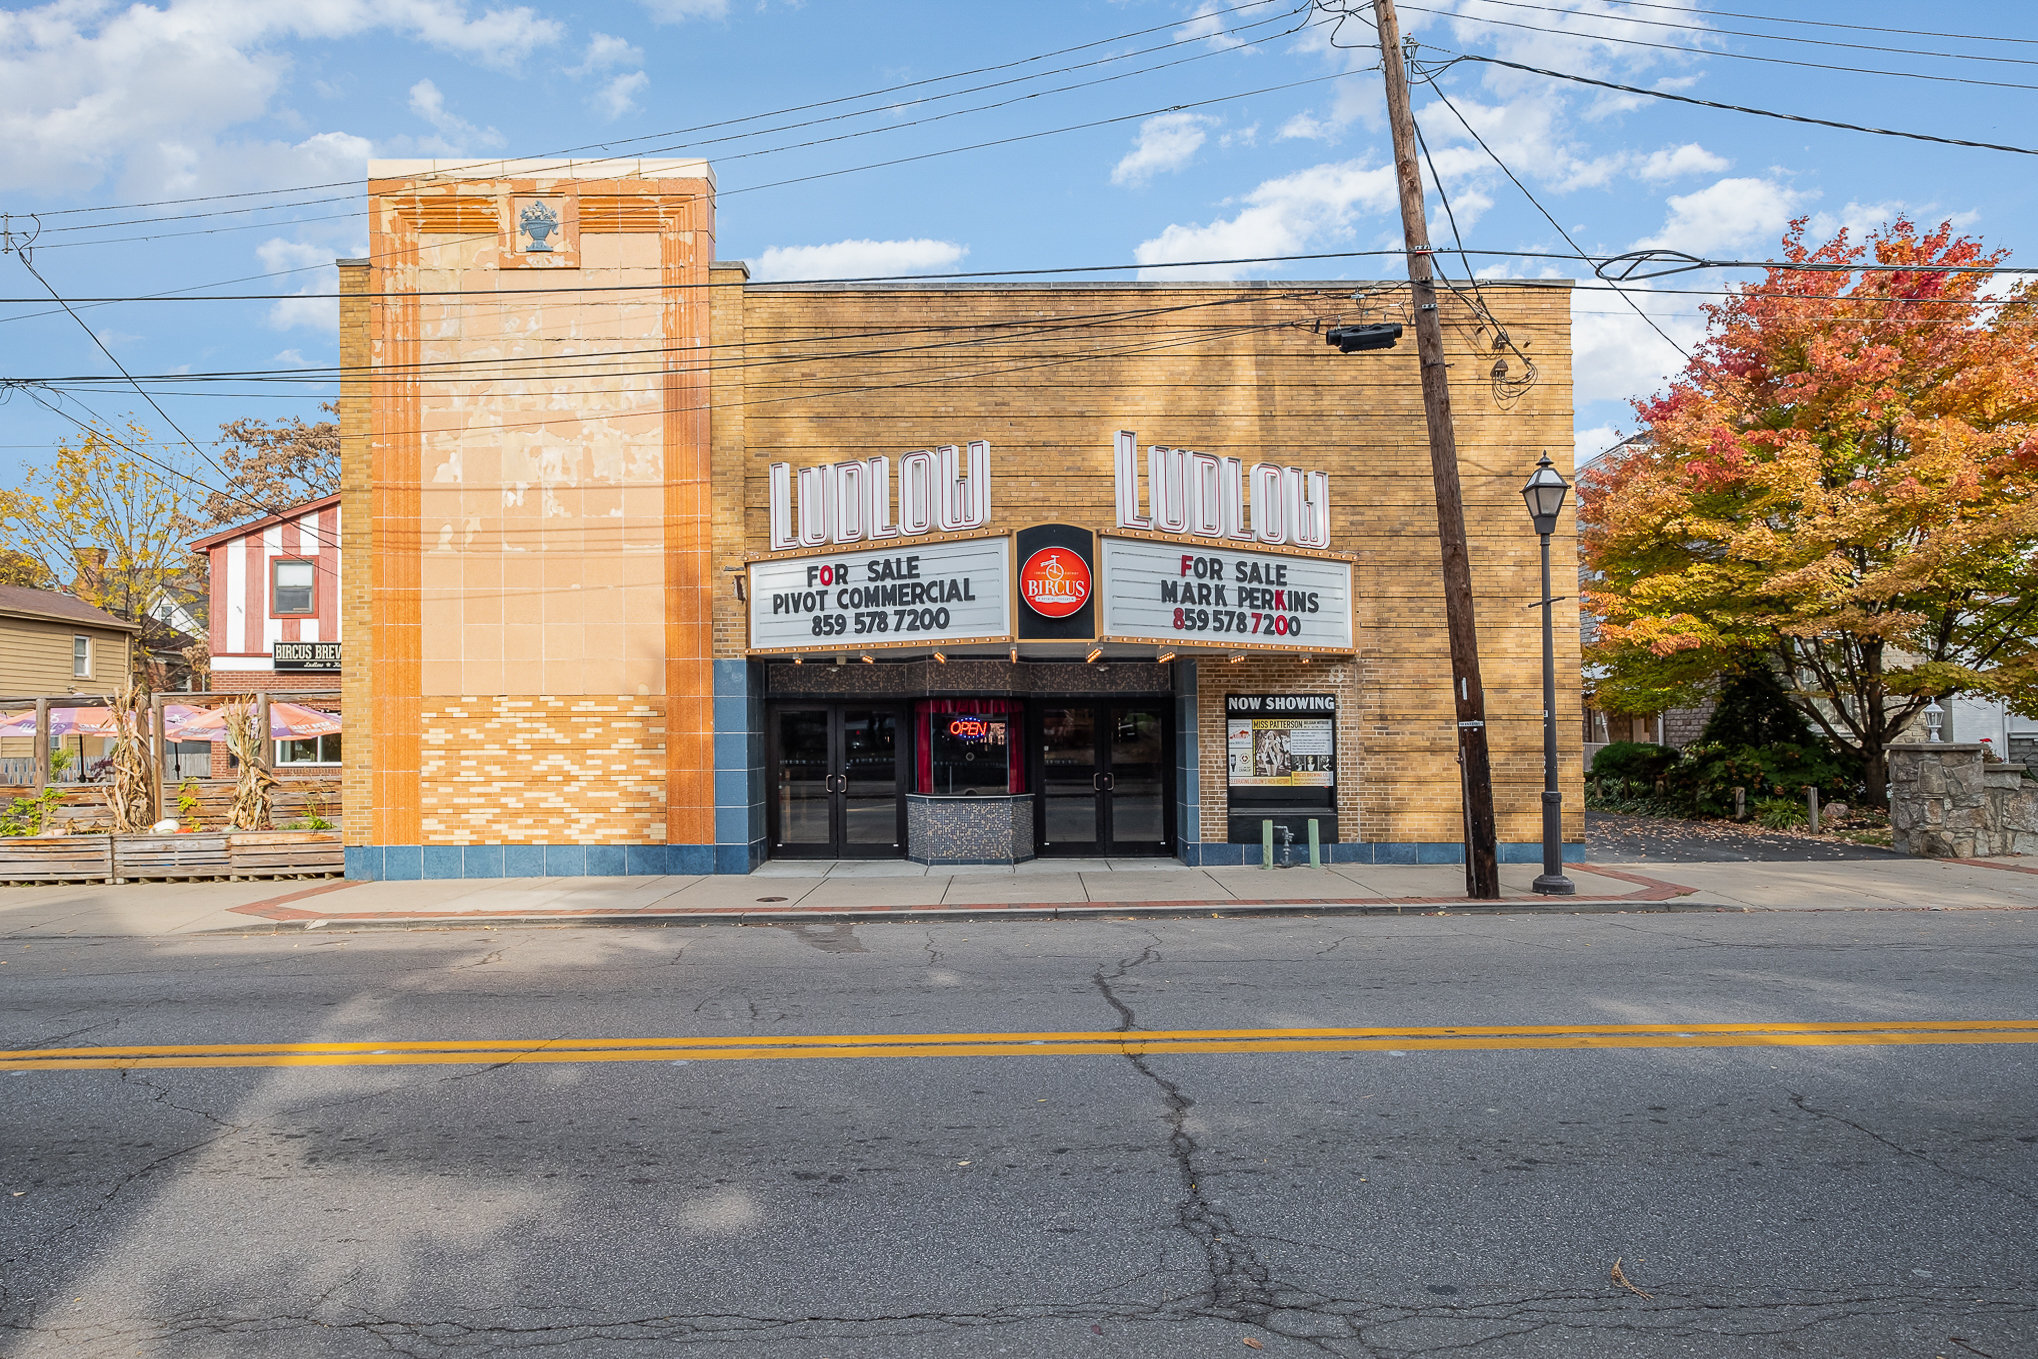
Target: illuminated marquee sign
902, 596
851, 502
1192, 595
1207, 496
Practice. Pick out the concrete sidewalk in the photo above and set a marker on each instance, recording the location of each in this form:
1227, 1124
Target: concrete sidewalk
781, 892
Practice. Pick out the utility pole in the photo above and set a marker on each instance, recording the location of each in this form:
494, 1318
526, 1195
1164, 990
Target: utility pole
1482, 866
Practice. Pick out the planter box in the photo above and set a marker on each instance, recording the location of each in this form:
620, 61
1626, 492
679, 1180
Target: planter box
170, 856
285, 854
56, 858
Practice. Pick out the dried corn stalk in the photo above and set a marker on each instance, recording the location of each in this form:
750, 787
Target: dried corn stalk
255, 789
131, 785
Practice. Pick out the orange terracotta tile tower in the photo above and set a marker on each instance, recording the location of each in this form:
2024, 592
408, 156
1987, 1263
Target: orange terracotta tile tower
526, 463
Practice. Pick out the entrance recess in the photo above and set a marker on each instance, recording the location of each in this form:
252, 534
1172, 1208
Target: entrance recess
1103, 780
837, 776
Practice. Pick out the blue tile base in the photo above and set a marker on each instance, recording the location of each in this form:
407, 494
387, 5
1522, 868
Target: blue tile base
1219, 855
411, 863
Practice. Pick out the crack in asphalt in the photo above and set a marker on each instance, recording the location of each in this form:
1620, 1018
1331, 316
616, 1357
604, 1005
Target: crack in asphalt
1805, 1106
1238, 1286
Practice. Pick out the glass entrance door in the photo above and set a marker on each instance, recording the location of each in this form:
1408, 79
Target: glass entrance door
1071, 783
835, 783
1103, 780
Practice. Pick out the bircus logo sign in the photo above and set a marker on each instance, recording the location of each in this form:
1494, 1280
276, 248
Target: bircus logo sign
1055, 582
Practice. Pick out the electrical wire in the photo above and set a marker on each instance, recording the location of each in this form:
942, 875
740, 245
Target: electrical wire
721, 193
700, 145
475, 167
1712, 31
1456, 57
1823, 23
1507, 390
1430, 80
1711, 52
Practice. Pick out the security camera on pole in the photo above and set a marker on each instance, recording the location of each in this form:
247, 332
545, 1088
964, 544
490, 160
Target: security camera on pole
1482, 859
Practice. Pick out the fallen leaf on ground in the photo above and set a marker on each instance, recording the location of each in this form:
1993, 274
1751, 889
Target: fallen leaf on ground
1251, 1343
1622, 1280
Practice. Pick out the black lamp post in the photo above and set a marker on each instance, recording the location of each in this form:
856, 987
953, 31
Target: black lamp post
1545, 496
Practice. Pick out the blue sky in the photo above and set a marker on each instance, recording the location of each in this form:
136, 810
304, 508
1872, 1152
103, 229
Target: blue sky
104, 105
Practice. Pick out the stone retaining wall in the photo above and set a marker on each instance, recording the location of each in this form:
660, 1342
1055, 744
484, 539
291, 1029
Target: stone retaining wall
1947, 802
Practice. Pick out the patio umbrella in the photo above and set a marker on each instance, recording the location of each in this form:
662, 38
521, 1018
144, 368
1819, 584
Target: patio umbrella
63, 722
287, 722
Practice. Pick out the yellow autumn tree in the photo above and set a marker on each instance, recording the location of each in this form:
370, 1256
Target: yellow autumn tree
117, 525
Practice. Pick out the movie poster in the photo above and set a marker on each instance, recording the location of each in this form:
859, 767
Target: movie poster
1286, 751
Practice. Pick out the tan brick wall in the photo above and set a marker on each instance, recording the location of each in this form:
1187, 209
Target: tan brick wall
1048, 374
585, 769
357, 580
1266, 675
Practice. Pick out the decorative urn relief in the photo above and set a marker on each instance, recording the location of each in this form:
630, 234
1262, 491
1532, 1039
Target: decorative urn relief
535, 224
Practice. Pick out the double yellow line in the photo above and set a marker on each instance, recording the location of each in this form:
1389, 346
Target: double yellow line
1108, 1043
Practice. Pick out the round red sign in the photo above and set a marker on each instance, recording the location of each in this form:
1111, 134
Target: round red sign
1055, 582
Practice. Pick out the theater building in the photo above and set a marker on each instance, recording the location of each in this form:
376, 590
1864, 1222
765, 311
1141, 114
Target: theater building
653, 568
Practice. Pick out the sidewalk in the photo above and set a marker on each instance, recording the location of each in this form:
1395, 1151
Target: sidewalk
781, 892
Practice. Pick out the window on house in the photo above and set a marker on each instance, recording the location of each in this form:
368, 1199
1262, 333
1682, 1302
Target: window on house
310, 750
292, 587
81, 657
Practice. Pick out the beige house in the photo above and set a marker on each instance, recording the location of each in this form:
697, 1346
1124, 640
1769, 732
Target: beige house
52, 644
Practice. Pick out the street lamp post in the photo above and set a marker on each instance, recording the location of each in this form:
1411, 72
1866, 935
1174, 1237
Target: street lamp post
1545, 496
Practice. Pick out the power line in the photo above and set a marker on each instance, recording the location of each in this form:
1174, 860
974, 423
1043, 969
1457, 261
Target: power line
895, 126
1456, 57
1824, 23
1430, 80
1735, 56
477, 166
1743, 33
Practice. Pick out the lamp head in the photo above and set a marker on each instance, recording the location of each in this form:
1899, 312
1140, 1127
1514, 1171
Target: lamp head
1545, 493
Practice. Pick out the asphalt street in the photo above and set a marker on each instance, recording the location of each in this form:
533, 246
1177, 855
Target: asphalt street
1794, 1195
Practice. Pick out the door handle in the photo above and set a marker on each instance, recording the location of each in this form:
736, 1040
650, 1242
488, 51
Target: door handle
1110, 782
1096, 783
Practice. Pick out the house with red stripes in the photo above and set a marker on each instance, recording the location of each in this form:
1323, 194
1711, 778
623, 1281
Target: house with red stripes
275, 611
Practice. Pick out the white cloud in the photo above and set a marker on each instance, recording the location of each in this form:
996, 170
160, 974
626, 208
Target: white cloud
1590, 443
1729, 213
855, 259
619, 96
605, 50
1860, 219
1616, 355
679, 11
95, 86
1167, 141
313, 308
456, 134
1674, 162
1208, 24
1280, 217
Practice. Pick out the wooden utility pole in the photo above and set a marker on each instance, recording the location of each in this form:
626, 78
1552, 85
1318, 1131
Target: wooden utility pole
1482, 859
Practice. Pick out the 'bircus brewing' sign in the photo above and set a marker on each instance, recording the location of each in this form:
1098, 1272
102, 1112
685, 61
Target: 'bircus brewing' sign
1193, 595
907, 595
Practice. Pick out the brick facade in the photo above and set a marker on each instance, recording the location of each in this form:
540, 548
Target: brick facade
543, 538
586, 769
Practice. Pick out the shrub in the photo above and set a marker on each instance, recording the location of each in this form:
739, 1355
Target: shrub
1706, 775
1781, 813
1633, 761
1753, 709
